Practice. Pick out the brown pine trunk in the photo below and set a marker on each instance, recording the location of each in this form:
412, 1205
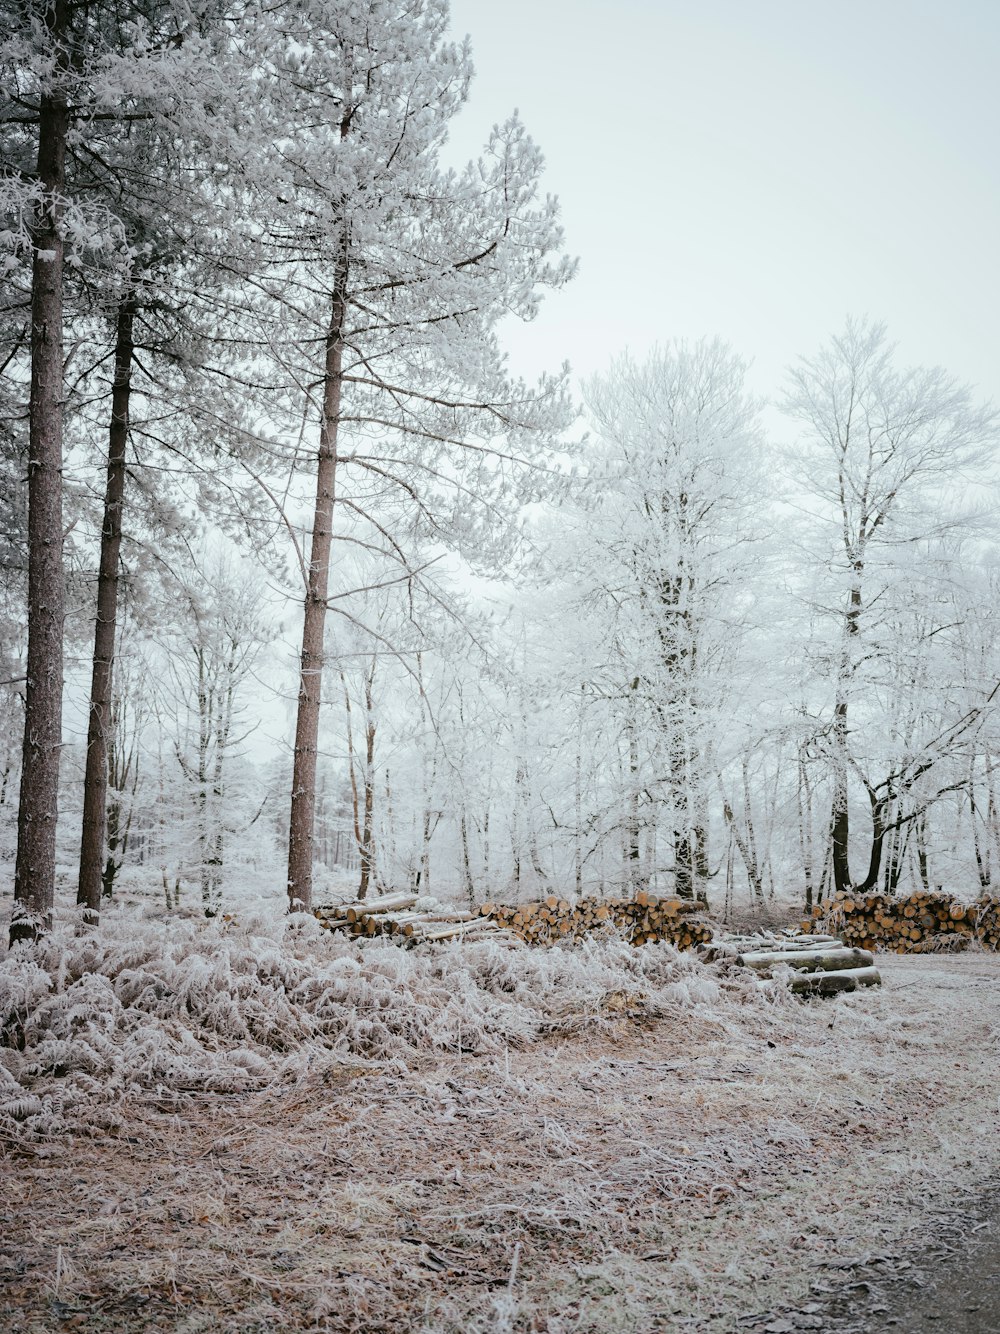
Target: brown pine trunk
303, 812
95, 782
35, 866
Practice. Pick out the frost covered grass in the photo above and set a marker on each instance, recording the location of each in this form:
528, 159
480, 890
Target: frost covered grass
475, 1139
162, 1007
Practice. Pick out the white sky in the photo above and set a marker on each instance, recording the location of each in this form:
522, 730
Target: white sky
757, 169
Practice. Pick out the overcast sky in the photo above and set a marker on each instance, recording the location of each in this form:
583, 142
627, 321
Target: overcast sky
757, 169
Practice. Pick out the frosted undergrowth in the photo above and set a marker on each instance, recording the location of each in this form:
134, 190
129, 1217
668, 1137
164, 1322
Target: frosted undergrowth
160, 1007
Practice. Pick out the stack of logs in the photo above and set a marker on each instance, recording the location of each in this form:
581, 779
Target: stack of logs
822, 965
924, 921
641, 920
398, 915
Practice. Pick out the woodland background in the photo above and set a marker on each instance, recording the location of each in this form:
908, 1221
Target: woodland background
558, 637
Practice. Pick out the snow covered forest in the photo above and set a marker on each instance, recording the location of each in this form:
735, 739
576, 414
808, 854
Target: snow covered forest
304, 590
313, 594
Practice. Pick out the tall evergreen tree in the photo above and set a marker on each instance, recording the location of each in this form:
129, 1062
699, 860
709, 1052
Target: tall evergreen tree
391, 274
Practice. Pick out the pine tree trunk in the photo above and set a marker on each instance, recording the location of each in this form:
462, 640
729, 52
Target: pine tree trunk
95, 782
300, 827
35, 866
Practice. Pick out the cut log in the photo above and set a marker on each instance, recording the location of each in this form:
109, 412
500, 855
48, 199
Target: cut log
829, 984
375, 907
459, 930
823, 960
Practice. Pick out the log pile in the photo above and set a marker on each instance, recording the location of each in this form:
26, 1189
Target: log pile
643, 920
922, 922
822, 965
407, 918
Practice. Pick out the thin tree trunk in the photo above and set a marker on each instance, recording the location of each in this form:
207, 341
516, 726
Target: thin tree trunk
982, 855
35, 866
920, 838
880, 810
112, 865
747, 852
351, 770
95, 782
487, 872
804, 795
303, 810
578, 800
839, 816
206, 710
470, 888
367, 848
992, 820
890, 871
633, 868
218, 834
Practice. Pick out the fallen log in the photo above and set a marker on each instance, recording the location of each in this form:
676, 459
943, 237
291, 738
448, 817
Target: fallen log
833, 959
830, 984
376, 907
458, 931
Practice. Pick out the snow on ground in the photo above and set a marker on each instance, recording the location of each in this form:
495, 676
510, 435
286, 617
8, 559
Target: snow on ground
287, 1130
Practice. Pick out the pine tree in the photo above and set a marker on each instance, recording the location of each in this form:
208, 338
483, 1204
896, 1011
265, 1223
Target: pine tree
389, 275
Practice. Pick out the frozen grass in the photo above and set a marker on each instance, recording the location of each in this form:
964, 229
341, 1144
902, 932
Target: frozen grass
148, 1006
469, 1139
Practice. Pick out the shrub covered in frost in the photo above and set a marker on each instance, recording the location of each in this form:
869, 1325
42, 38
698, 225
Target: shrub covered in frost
162, 1007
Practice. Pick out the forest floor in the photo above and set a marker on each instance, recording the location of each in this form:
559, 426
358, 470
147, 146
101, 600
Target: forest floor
652, 1171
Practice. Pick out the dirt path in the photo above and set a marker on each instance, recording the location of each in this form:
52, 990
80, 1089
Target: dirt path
949, 1287
638, 1174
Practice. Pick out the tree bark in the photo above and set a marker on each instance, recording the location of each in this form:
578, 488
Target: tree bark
880, 809
35, 866
366, 848
469, 884
840, 820
95, 782
303, 812
633, 861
